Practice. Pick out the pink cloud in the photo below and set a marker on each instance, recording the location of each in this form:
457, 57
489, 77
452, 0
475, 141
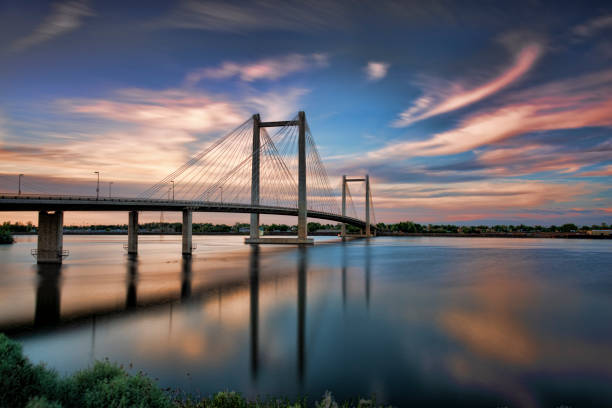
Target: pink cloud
376, 71
478, 195
603, 172
513, 161
269, 68
164, 127
457, 97
568, 104
169, 109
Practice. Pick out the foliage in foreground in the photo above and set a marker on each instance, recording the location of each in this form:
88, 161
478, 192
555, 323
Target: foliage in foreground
23, 384
6, 237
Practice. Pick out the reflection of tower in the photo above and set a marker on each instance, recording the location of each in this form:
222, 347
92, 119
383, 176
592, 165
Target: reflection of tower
367, 272
47, 312
186, 278
254, 286
301, 311
132, 277
344, 266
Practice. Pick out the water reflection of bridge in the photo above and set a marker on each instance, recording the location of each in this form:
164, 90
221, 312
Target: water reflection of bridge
48, 315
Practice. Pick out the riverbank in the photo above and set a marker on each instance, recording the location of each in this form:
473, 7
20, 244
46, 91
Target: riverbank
566, 235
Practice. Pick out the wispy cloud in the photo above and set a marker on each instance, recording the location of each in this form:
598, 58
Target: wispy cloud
376, 71
164, 127
593, 26
167, 109
448, 98
567, 104
478, 197
258, 15
65, 17
605, 171
268, 68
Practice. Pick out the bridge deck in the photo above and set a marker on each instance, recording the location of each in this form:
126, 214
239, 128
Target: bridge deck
12, 202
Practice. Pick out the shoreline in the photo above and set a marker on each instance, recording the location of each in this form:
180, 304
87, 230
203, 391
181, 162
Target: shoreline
553, 235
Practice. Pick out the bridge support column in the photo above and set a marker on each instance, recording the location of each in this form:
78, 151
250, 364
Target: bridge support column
187, 233
343, 230
254, 226
302, 204
50, 237
367, 206
133, 233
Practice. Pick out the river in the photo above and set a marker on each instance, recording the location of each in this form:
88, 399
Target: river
421, 321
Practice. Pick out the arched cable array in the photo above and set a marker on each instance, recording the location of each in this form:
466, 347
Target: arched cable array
277, 187
195, 176
350, 204
320, 193
222, 173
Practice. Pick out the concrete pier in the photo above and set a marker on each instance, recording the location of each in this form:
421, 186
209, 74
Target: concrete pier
343, 230
255, 165
50, 237
187, 233
133, 233
367, 205
302, 205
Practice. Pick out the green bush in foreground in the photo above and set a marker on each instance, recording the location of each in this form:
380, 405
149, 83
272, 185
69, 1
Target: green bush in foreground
106, 385
6, 237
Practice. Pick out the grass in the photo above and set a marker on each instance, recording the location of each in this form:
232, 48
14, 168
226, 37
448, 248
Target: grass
104, 384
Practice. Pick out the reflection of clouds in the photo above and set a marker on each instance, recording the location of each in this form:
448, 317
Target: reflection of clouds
505, 330
491, 335
465, 371
492, 323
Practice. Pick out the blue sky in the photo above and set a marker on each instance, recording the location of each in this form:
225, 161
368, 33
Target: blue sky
467, 112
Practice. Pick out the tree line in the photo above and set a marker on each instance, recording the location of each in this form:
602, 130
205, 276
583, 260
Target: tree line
403, 227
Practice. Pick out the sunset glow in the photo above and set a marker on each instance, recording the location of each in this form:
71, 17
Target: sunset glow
458, 114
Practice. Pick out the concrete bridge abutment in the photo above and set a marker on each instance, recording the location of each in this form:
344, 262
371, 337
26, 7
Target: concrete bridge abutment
50, 237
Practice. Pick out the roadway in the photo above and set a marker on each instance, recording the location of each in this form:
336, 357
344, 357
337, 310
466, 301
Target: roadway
29, 202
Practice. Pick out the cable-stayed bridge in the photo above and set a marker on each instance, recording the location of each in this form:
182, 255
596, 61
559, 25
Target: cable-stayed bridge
248, 170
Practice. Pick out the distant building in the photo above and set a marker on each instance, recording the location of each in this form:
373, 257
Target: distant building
599, 232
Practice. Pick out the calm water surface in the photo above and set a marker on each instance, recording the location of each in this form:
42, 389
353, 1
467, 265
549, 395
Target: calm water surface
416, 321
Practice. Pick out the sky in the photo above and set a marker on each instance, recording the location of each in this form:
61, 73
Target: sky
464, 112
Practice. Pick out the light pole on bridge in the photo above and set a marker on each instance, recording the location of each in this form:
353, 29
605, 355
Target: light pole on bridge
172, 181
20, 176
97, 185
110, 183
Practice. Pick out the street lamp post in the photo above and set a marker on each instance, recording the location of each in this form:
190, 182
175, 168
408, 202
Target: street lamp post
97, 185
110, 183
172, 181
20, 176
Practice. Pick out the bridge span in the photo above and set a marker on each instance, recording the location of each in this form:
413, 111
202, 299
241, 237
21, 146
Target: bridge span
11, 202
256, 170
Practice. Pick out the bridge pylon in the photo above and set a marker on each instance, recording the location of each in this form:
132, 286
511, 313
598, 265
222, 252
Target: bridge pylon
366, 181
302, 238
